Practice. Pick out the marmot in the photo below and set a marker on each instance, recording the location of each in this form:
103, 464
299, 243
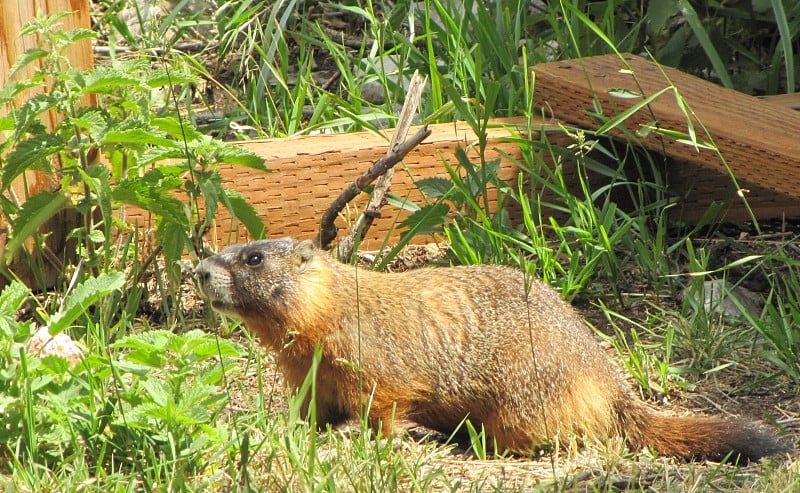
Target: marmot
436, 346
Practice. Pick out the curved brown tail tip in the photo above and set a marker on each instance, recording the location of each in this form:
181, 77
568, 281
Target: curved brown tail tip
743, 441
697, 438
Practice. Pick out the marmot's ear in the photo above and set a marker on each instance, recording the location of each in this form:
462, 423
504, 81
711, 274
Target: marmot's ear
303, 253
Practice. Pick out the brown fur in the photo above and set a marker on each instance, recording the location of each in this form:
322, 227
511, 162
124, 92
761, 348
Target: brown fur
438, 345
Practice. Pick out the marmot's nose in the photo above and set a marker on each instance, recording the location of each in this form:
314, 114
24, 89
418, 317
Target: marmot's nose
202, 272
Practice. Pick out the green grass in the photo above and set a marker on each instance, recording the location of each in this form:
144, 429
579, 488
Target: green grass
166, 407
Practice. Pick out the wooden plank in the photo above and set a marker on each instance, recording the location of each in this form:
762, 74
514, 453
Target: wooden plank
14, 15
308, 172
791, 100
760, 141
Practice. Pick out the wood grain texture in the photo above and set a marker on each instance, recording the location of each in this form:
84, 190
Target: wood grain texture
308, 172
14, 15
760, 141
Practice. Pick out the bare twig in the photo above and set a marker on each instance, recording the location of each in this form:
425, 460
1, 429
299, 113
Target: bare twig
383, 168
328, 230
410, 106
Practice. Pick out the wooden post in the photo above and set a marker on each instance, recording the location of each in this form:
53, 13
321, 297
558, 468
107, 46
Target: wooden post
14, 15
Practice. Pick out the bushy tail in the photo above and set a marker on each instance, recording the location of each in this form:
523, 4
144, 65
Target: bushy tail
698, 437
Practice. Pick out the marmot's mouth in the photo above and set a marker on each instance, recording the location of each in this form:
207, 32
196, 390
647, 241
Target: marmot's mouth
224, 307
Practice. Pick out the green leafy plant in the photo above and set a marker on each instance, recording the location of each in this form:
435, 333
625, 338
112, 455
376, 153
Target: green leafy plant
129, 149
49, 401
158, 400
171, 397
456, 204
646, 351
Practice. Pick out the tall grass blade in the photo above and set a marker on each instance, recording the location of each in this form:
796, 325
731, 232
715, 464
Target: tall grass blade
622, 117
786, 43
688, 13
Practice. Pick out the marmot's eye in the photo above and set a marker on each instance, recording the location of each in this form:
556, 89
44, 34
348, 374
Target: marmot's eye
254, 259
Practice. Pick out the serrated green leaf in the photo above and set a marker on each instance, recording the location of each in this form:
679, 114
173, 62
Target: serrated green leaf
224, 348
31, 154
244, 212
32, 215
83, 296
157, 390
11, 299
178, 130
434, 187
196, 402
146, 359
428, 220
172, 237
157, 154
30, 56
150, 341
156, 197
28, 115
93, 120
106, 80
199, 345
136, 136
13, 88
96, 236
42, 24
166, 175
226, 153
55, 364
210, 185
72, 36
215, 374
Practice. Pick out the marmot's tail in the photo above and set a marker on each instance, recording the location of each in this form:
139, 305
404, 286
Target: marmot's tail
698, 437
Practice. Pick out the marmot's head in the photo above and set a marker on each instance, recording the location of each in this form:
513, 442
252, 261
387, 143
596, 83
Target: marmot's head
258, 278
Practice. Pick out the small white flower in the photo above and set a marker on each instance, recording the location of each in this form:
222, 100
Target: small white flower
43, 344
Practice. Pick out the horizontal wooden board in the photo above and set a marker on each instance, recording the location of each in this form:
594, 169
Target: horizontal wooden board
308, 172
759, 140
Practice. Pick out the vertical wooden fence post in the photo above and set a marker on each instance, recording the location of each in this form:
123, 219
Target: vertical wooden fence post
14, 15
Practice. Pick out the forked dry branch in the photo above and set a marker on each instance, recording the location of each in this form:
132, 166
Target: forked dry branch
382, 170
